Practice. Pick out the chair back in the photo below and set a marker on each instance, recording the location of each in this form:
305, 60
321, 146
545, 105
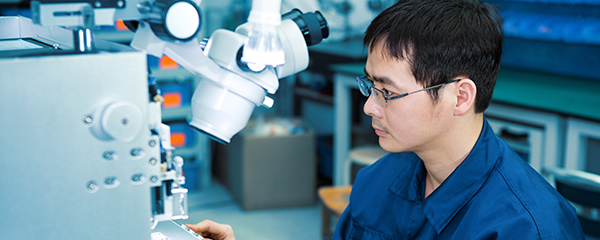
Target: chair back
582, 189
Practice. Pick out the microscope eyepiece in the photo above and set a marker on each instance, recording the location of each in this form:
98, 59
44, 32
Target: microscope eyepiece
312, 25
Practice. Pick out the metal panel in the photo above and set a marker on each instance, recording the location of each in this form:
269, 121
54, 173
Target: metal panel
10, 28
20, 27
50, 154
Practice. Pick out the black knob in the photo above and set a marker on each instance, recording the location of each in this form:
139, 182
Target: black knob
175, 19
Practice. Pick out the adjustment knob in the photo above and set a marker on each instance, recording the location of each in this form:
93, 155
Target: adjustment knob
175, 19
122, 121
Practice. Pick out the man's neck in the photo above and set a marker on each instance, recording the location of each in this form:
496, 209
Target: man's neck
451, 149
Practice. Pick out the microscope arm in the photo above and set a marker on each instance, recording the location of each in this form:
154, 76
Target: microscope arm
187, 54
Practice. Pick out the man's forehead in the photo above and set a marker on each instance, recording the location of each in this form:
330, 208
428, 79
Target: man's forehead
385, 69
381, 79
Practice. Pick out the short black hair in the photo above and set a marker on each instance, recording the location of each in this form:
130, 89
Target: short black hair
443, 40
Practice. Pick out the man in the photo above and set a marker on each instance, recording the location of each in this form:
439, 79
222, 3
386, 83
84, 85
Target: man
430, 74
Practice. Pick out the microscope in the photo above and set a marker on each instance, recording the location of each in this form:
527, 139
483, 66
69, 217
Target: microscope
86, 155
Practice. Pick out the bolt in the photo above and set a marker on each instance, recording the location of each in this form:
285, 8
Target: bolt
120, 3
110, 180
98, 4
153, 179
110, 155
153, 161
137, 152
92, 186
87, 119
137, 177
152, 143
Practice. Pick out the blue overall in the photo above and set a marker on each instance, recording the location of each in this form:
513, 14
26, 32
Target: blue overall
492, 194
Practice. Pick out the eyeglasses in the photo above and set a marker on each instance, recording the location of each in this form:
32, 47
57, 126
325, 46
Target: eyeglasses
366, 88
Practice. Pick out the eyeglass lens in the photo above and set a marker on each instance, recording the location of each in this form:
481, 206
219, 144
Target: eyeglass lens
379, 97
366, 88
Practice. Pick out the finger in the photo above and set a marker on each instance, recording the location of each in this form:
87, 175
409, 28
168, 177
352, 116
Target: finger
191, 226
204, 228
210, 229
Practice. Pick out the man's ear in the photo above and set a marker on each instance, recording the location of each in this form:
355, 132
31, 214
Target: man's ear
465, 97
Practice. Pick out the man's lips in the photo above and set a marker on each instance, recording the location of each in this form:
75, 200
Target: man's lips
381, 133
379, 130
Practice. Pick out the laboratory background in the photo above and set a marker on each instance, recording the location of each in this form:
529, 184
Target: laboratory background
124, 119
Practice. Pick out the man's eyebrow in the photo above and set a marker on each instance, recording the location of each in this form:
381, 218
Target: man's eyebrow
382, 80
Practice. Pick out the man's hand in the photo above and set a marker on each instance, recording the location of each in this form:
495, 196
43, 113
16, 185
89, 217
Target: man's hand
212, 230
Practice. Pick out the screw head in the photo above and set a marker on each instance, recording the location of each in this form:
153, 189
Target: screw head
110, 155
87, 119
153, 161
153, 179
137, 152
109, 180
92, 186
152, 143
137, 177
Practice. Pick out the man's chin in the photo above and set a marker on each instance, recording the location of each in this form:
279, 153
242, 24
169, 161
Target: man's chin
386, 145
389, 145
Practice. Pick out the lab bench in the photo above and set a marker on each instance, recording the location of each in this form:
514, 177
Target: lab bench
550, 120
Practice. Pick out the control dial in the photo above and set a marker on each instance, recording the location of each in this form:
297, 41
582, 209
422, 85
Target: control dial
175, 19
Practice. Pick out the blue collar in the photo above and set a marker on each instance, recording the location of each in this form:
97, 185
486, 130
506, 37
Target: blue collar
462, 184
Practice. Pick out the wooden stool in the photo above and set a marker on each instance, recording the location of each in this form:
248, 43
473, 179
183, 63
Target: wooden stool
333, 201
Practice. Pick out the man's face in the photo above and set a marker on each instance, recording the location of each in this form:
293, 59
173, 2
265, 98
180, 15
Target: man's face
412, 123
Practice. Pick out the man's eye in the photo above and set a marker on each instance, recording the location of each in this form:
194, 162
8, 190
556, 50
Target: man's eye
388, 93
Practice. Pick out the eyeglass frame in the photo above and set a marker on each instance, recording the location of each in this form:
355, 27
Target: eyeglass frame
365, 84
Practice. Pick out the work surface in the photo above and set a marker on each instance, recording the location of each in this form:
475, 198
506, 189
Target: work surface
564, 95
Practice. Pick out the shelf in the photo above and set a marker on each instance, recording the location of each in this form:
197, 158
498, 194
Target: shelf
183, 112
352, 49
314, 95
553, 7
187, 152
177, 74
553, 36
